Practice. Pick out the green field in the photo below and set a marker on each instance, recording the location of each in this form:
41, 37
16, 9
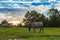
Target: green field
23, 34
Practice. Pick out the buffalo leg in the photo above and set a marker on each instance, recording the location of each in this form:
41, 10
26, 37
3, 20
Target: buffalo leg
41, 30
34, 29
29, 29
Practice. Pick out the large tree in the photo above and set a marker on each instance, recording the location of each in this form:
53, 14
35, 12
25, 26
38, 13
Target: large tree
54, 17
34, 16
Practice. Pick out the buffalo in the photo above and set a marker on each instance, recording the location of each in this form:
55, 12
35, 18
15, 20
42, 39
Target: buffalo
35, 25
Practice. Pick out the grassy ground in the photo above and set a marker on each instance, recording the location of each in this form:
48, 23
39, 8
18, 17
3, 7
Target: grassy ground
23, 34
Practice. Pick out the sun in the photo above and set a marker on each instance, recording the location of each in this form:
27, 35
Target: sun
15, 22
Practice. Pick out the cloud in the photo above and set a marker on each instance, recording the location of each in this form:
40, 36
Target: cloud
58, 6
51, 0
10, 0
2, 15
21, 0
21, 5
36, 0
15, 6
15, 11
11, 17
40, 9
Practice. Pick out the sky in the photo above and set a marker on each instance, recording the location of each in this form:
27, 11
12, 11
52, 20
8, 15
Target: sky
14, 10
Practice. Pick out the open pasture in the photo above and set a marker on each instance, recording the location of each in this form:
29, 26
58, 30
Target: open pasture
23, 34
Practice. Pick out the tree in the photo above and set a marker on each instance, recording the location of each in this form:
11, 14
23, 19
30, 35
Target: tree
19, 25
33, 16
46, 22
4, 21
54, 16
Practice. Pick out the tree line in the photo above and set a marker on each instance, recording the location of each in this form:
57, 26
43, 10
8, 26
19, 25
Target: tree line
53, 19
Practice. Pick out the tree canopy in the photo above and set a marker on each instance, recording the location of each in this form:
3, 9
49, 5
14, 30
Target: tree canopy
33, 16
52, 21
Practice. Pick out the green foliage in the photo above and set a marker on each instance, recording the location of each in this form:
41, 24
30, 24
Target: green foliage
54, 18
33, 16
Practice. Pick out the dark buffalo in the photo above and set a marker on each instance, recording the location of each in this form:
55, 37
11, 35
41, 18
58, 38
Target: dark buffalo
35, 25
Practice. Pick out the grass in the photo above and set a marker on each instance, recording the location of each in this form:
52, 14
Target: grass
23, 34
